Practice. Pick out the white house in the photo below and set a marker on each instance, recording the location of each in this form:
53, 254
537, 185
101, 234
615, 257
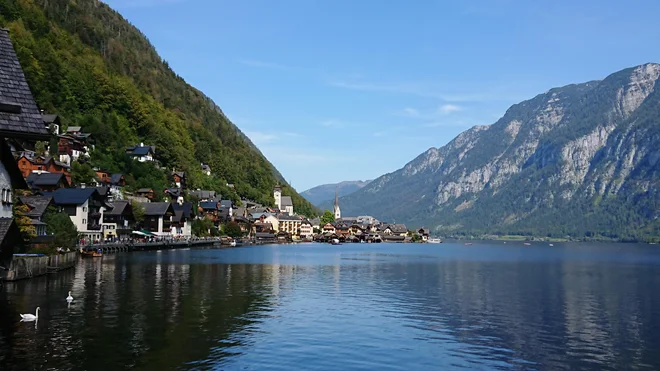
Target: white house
158, 217
306, 229
141, 152
85, 207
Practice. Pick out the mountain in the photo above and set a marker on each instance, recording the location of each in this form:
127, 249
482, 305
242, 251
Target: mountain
326, 192
582, 161
86, 63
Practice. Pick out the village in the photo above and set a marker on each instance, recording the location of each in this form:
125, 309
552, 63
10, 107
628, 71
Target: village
38, 155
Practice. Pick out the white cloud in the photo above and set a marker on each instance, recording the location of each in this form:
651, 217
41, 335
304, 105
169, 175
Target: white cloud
260, 138
448, 108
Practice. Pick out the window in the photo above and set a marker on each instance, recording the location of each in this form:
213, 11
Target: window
84, 221
84, 209
4, 195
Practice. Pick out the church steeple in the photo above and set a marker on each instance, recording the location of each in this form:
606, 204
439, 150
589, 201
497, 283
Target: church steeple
337, 210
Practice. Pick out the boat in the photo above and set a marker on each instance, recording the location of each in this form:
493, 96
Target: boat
468, 244
434, 240
91, 254
527, 244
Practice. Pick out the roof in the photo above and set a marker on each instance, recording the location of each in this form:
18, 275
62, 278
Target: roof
144, 190
226, 203
206, 167
180, 174
209, 205
19, 115
37, 222
49, 119
139, 150
202, 194
184, 209
45, 179
286, 201
157, 208
116, 178
71, 129
398, 228
11, 166
264, 235
316, 221
73, 196
288, 217
37, 204
118, 208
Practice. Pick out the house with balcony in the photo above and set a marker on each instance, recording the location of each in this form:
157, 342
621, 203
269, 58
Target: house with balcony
182, 220
147, 193
119, 220
20, 119
289, 224
179, 178
37, 206
28, 163
306, 229
85, 207
204, 196
158, 218
71, 148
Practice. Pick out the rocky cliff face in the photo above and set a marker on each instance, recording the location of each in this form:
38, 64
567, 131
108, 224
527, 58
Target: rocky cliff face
577, 160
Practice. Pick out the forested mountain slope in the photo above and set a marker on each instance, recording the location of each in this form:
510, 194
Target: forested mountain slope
580, 161
323, 195
85, 62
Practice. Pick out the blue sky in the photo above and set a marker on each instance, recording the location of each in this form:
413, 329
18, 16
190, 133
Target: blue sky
352, 89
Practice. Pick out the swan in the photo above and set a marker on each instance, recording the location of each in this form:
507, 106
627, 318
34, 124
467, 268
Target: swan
30, 317
69, 298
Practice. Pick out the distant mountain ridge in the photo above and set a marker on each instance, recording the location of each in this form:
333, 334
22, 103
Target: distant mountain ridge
326, 192
581, 161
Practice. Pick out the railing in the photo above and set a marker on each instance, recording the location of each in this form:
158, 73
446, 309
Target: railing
93, 227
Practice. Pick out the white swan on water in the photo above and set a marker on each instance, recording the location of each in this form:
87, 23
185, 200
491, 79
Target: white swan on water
69, 298
30, 317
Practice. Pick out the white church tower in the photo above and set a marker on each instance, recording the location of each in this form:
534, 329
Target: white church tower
337, 210
277, 194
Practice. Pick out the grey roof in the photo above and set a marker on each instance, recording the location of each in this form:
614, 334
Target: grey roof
145, 190
72, 196
118, 208
45, 179
139, 150
157, 208
183, 210
181, 174
398, 228
202, 194
19, 114
73, 129
37, 204
206, 167
115, 178
49, 119
37, 222
288, 217
209, 205
316, 221
286, 201
226, 203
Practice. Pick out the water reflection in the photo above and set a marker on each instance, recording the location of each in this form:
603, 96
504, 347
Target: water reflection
394, 307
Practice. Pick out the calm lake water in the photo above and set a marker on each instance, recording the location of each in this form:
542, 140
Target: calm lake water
488, 306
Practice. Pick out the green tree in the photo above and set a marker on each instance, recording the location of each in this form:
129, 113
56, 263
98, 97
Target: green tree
202, 227
60, 226
40, 148
82, 173
28, 231
327, 217
232, 229
138, 214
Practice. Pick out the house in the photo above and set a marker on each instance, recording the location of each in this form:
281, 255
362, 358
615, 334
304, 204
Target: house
37, 208
328, 228
316, 223
306, 229
209, 209
158, 217
273, 220
73, 145
118, 221
115, 183
342, 229
366, 219
142, 153
19, 119
85, 207
182, 220
111, 180
263, 227
395, 230
424, 234
146, 193
29, 164
204, 195
229, 206
175, 194
206, 169
179, 178
289, 224
47, 182
52, 122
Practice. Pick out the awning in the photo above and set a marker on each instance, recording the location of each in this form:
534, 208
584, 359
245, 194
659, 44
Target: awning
143, 233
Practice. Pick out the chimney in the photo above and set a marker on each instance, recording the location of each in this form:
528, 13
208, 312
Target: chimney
141, 144
82, 185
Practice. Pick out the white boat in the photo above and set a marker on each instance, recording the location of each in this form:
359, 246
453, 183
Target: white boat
434, 240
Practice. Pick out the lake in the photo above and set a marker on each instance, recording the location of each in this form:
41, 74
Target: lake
488, 306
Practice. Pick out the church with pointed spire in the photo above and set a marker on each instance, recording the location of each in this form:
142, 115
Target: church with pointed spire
337, 210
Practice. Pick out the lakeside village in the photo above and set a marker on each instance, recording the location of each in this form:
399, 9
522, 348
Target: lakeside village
37, 184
